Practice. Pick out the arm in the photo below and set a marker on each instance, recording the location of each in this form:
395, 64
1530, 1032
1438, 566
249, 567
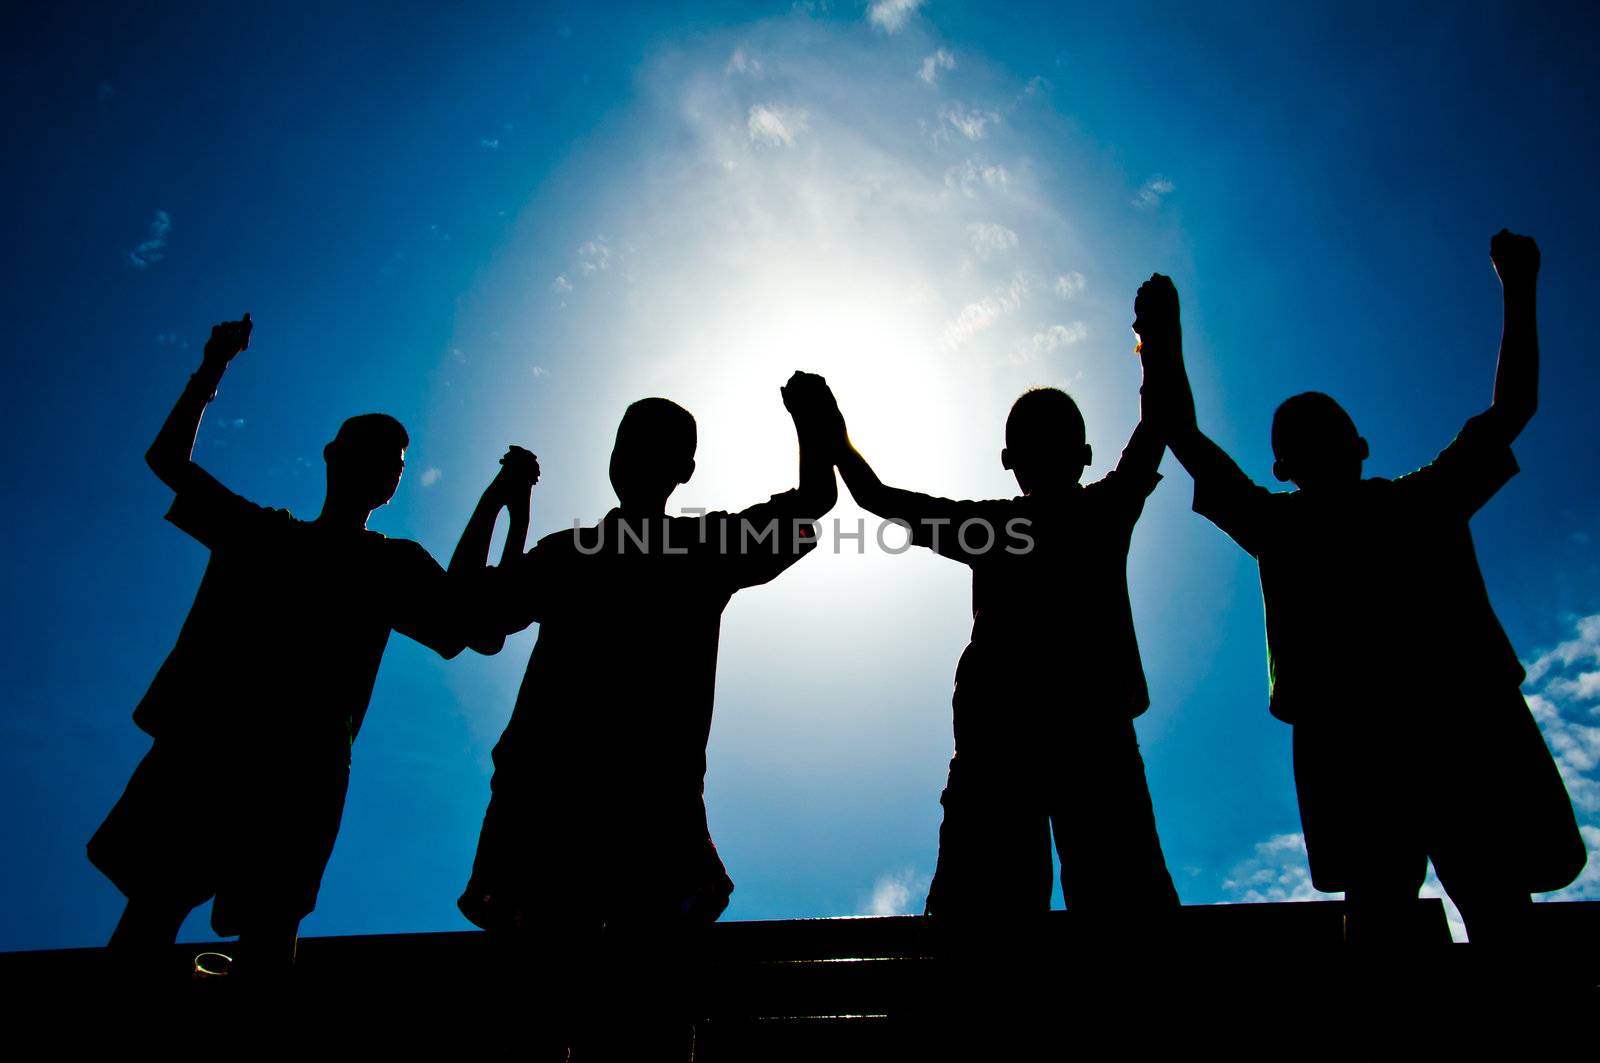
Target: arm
1222, 491
170, 456
476, 589
818, 490
870, 493
511, 489
1516, 378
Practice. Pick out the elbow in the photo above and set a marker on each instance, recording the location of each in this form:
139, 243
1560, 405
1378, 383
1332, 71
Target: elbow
167, 469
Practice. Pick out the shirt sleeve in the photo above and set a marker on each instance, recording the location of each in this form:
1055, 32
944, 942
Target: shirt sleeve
424, 605
501, 600
1467, 473
961, 529
1232, 501
755, 545
215, 516
1124, 490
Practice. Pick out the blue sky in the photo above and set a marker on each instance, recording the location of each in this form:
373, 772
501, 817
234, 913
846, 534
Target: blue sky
502, 222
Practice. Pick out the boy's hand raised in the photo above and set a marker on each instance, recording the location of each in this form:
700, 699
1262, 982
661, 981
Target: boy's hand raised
227, 339
1515, 258
519, 471
1155, 313
810, 402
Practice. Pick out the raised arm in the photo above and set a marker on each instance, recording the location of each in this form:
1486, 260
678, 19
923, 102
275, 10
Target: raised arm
807, 398
1516, 377
511, 490
170, 457
870, 493
1166, 399
480, 593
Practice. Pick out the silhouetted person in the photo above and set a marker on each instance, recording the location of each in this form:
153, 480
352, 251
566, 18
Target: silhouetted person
1411, 737
1047, 689
255, 708
596, 815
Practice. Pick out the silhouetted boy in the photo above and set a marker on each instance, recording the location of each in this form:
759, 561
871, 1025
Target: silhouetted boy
254, 710
1047, 689
1411, 737
596, 814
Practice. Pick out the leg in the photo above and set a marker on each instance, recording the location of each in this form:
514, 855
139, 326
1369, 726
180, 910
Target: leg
1105, 830
267, 947
994, 846
148, 926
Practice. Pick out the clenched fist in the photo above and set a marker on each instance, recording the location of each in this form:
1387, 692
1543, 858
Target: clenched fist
1155, 312
1515, 258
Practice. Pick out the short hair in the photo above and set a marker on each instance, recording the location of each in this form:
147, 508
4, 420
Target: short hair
1040, 413
373, 430
1310, 419
661, 423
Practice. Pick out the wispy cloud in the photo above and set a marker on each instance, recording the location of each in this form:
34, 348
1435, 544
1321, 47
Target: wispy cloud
779, 126
561, 284
431, 475
891, 16
981, 314
153, 247
1278, 871
990, 239
594, 256
1153, 191
971, 122
1563, 691
971, 175
492, 143
933, 64
741, 62
897, 893
1050, 340
1069, 285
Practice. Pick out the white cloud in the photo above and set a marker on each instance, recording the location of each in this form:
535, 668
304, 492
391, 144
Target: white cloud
539, 371
977, 316
1277, 872
972, 174
561, 284
971, 123
431, 475
593, 257
1070, 284
153, 247
931, 65
891, 16
1051, 339
989, 239
898, 893
1563, 692
1153, 191
492, 143
742, 63
771, 124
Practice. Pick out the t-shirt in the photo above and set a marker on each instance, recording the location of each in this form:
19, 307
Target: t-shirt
282, 644
1372, 593
617, 699
1052, 629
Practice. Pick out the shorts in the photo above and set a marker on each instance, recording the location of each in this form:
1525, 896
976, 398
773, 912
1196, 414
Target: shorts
1464, 780
548, 859
1086, 787
257, 836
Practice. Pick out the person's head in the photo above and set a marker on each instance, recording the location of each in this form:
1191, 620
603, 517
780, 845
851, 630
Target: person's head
365, 460
1045, 441
1315, 443
654, 453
